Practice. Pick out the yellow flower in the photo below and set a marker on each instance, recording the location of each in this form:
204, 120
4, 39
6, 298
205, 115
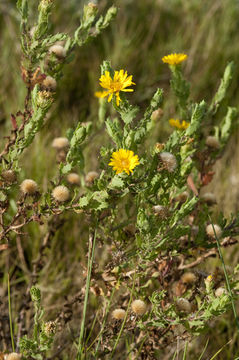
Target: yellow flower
124, 160
120, 82
178, 124
174, 59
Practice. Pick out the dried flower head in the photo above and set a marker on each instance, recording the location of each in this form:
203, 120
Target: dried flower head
58, 50
181, 125
9, 176
212, 142
174, 59
73, 179
90, 177
160, 210
210, 230
183, 305
61, 193
49, 83
29, 187
118, 314
14, 356
119, 82
209, 198
44, 98
169, 161
139, 307
220, 291
188, 278
60, 143
157, 114
50, 327
182, 197
124, 160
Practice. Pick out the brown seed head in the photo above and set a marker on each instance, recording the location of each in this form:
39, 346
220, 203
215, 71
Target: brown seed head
29, 187
118, 314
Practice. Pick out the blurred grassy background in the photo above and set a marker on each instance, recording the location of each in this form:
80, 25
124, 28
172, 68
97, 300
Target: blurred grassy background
143, 32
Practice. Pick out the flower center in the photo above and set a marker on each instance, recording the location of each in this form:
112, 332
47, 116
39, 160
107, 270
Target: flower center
125, 163
116, 86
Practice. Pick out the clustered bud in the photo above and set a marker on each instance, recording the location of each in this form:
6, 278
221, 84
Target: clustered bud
60, 143
90, 177
188, 278
49, 83
61, 193
183, 305
9, 176
29, 187
139, 307
73, 179
118, 314
169, 161
58, 51
209, 198
210, 230
212, 142
14, 356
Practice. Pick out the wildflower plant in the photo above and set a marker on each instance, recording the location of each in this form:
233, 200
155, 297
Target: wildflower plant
142, 209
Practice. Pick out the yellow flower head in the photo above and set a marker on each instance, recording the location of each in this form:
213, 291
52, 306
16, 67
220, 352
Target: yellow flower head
174, 59
181, 125
124, 160
120, 82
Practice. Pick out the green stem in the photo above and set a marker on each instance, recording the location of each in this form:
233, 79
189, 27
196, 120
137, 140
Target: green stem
124, 321
226, 275
10, 312
91, 251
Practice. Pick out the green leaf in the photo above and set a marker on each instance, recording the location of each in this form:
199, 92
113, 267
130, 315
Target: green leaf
116, 183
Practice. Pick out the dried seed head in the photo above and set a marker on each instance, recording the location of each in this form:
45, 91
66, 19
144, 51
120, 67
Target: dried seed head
118, 314
50, 327
169, 161
58, 50
61, 193
14, 356
9, 176
183, 305
220, 291
90, 177
49, 83
212, 142
73, 179
157, 114
210, 230
209, 198
60, 143
188, 278
29, 186
182, 197
139, 307
160, 210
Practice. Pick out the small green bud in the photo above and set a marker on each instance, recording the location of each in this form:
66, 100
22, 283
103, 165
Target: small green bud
35, 294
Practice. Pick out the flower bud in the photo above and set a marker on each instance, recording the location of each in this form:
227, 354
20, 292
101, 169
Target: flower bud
9, 176
118, 314
157, 114
29, 187
188, 278
139, 307
60, 143
169, 161
90, 10
183, 305
61, 193
90, 177
44, 98
49, 83
212, 142
14, 356
210, 230
73, 179
58, 51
